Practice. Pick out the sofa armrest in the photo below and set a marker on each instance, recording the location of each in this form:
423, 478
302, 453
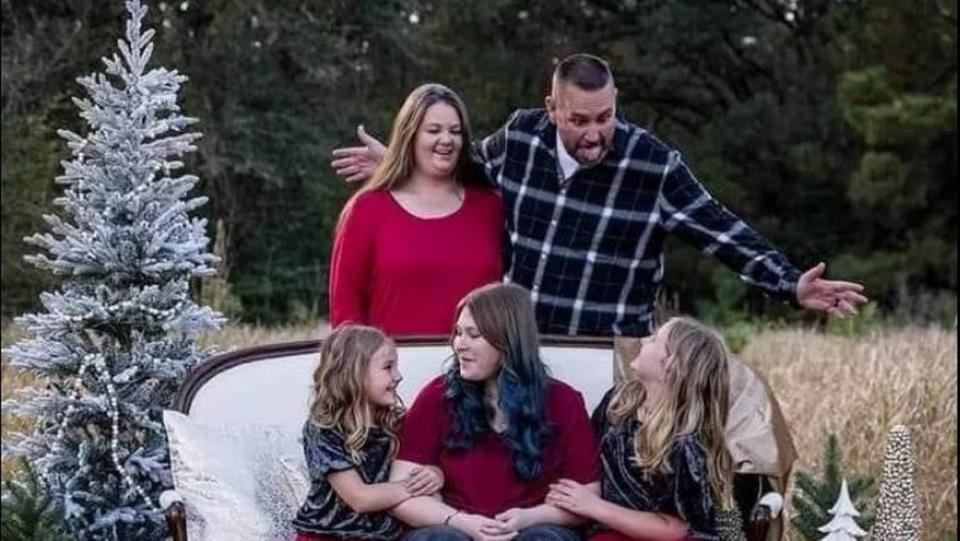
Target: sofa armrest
762, 515
175, 513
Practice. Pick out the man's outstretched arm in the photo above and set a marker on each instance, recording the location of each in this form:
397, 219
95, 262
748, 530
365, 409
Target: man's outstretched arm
688, 210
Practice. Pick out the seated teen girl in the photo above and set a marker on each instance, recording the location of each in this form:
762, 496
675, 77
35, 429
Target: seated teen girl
667, 474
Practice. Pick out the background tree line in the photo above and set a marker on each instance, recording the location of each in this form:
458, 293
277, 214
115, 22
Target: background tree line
830, 125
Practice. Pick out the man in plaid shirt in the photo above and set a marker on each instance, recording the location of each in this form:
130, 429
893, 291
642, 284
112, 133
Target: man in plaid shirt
589, 199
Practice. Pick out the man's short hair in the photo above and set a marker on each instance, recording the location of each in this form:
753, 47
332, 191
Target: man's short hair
586, 71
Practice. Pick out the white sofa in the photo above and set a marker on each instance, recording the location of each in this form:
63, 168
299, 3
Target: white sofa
235, 425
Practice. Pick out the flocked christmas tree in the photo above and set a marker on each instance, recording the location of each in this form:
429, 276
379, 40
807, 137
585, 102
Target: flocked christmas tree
898, 514
113, 341
842, 527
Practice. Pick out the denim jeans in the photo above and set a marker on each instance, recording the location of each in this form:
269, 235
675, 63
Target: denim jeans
539, 532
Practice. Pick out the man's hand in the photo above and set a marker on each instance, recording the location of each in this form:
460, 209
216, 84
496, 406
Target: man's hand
422, 481
515, 519
481, 528
573, 497
357, 163
833, 297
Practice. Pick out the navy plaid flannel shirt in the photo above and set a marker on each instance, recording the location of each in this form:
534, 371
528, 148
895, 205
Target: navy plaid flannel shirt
590, 249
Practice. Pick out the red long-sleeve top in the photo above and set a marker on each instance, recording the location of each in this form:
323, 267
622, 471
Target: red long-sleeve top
406, 274
481, 479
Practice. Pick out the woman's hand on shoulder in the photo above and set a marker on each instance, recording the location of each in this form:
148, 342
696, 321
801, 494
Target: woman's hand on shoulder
574, 497
358, 163
481, 528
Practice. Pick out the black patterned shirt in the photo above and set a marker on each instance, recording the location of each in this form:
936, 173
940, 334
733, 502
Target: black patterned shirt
684, 493
590, 248
324, 512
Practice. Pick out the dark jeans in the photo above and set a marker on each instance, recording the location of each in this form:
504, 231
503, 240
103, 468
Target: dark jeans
540, 532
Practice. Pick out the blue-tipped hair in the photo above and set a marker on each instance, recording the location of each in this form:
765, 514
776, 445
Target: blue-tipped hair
505, 318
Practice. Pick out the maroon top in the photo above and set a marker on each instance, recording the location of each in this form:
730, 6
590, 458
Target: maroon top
406, 274
481, 480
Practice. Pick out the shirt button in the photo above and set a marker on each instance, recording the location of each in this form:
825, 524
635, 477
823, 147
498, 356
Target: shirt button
553, 223
543, 257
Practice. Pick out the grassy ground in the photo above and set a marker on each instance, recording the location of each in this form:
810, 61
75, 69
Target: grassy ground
857, 387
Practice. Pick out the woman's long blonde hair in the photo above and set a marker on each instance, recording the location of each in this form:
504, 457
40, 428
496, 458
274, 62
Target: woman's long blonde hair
339, 388
695, 404
398, 162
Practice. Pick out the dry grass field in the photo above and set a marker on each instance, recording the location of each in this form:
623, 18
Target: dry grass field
857, 387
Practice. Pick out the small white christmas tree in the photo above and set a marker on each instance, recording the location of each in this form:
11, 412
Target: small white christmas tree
842, 527
898, 514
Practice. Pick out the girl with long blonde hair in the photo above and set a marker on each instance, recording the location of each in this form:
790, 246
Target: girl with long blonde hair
667, 473
350, 439
425, 226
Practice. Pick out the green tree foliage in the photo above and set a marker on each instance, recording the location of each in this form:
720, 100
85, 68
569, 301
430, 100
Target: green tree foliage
28, 164
901, 101
830, 125
271, 80
46, 45
816, 496
29, 513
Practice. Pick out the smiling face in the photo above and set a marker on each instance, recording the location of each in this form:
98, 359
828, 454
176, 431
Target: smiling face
439, 141
478, 359
383, 376
585, 120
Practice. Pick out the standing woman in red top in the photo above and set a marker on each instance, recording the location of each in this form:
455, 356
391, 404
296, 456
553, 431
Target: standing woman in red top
422, 232
500, 429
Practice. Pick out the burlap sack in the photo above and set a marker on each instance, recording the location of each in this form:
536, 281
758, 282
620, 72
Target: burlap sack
757, 435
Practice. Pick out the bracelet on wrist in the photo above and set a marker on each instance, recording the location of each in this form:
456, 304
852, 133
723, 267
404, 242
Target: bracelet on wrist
446, 521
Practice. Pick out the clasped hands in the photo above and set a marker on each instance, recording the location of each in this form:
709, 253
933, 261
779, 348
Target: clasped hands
565, 494
503, 527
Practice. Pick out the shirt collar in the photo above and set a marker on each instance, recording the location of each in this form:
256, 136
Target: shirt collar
568, 164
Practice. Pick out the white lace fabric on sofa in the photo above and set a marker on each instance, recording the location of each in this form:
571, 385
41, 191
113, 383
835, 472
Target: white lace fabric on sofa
237, 482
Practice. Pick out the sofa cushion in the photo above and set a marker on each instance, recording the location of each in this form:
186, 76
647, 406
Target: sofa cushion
237, 482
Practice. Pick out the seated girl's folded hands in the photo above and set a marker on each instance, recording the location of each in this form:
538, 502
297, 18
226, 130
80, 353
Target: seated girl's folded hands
481, 528
515, 519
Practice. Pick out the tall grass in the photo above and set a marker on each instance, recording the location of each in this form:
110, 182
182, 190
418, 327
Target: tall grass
856, 386
10, 381
243, 336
